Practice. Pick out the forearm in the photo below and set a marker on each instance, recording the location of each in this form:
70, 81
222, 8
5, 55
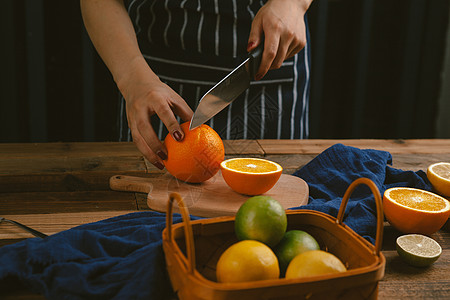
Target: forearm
112, 33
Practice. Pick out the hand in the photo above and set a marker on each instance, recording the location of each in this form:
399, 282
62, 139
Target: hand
145, 96
283, 26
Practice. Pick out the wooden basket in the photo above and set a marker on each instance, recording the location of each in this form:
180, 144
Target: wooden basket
191, 262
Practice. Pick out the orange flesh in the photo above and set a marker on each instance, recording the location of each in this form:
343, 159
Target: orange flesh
251, 166
417, 200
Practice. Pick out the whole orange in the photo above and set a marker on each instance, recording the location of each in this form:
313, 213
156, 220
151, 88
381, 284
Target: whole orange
247, 260
197, 157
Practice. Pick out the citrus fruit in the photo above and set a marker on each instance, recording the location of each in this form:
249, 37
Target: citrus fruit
250, 176
313, 263
261, 218
247, 261
197, 157
293, 243
418, 250
439, 176
415, 211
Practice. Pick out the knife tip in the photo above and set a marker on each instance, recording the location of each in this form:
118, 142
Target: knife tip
191, 125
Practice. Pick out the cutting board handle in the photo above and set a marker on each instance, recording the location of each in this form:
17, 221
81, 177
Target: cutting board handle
126, 183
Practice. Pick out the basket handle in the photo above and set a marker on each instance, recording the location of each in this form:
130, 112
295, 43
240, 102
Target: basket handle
380, 216
189, 236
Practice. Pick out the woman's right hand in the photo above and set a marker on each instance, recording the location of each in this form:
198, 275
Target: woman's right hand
145, 96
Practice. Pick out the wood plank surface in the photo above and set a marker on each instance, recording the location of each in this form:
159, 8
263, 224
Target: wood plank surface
419, 146
53, 223
58, 202
243, 148
93, 149
56, 186
63, 182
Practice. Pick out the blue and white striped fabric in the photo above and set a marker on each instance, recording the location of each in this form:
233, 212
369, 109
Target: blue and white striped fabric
193, 44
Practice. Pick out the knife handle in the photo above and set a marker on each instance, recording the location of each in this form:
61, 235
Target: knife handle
255, 59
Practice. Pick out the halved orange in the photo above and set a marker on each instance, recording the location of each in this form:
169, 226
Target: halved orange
439, 176
415, 211
250, 176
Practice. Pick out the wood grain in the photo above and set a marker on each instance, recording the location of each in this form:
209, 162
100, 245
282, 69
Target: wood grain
420, 146
211, 198
58, 202
56, 186
53, 223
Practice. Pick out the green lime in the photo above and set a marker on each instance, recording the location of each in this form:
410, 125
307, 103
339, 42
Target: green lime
293, 243
418, 250
261, 218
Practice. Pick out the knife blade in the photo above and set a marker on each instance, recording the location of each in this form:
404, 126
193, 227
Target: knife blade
227, 89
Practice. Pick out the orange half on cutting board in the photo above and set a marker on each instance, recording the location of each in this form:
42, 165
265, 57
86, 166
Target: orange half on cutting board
415, 211
250, 176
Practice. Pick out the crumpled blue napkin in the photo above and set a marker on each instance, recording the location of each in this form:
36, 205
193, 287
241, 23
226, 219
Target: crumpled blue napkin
117, 258
122, 257
329, 175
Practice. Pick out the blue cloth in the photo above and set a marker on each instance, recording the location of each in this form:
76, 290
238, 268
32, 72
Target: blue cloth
122, 257
330, 173
117, 258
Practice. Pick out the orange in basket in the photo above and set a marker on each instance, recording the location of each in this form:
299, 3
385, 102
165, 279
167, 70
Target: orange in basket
415, 211
314, 262
247, 260
192, 249
250, 176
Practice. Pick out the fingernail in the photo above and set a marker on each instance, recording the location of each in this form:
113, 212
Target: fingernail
162, 155
250, 45
177, 135
159, 165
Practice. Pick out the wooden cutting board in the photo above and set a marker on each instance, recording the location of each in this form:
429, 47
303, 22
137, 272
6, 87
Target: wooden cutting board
211, 198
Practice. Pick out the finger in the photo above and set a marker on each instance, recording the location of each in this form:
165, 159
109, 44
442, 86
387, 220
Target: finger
254, 38
281, 55
147, 133
295, 48
142, 146
183, 110
271, 44
167, 116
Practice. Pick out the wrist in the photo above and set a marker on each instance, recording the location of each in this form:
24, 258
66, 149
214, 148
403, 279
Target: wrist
305, 4
135, 72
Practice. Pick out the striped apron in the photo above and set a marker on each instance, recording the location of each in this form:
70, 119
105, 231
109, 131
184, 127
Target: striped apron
192, 44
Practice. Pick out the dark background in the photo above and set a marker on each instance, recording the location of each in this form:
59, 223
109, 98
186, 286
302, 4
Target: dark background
377, 70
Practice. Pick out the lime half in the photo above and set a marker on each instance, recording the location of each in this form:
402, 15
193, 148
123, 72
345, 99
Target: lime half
418, 250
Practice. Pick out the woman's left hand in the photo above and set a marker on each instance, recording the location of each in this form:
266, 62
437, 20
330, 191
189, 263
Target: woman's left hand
282, 23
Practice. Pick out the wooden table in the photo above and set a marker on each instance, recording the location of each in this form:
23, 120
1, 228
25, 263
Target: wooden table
55, 186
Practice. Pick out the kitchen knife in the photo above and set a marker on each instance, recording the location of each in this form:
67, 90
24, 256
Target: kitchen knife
228, 89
